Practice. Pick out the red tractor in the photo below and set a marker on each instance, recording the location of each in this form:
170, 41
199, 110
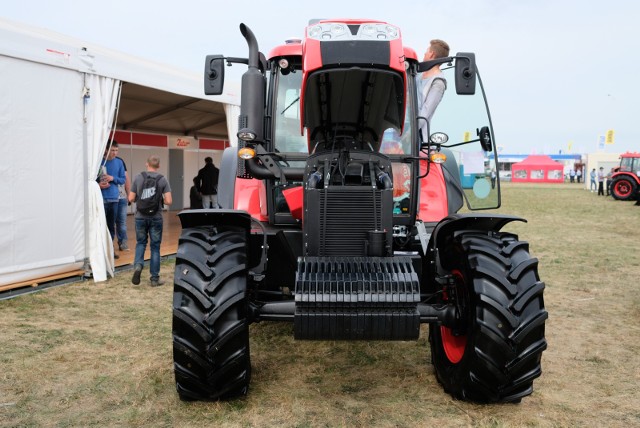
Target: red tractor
338, 215
625, 182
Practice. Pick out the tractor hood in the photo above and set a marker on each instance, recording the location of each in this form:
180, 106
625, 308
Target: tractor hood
357, 103
353, 83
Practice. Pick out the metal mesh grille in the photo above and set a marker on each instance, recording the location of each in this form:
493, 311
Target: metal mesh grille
346, 217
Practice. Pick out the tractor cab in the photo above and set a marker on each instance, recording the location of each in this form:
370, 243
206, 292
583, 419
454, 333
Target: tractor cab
349, 87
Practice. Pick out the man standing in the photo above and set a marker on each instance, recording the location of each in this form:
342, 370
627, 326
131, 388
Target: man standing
149, 190
592, 184
121, 213
601, 181
608, 177
112, 175
431, 85
207, 183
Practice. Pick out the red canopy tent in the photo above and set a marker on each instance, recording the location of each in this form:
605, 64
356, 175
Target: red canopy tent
537, 169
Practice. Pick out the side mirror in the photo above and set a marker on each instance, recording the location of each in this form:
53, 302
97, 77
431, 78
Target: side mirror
485, 138
214, 74
465, 73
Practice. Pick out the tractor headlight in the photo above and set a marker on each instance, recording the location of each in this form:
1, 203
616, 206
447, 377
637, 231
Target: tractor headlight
369, 30
439, 138
337, 30
246, 134
392, 31
315, 32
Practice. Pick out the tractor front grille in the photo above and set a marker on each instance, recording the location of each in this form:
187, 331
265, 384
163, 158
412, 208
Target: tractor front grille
338, 218
347, 216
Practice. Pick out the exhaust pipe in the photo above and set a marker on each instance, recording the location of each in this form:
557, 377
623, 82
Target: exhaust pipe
251, 120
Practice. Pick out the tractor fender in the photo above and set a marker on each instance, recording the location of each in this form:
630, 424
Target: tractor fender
446, 228
227, 177
441, 192
214, 217
455, 195
620, 174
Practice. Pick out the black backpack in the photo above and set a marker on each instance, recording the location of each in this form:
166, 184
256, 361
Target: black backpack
150, 198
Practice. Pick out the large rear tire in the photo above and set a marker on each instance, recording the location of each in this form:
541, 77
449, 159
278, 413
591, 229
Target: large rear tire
494, 354
210, 327
623, 189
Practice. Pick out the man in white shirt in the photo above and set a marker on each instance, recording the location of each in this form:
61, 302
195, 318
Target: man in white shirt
431, 85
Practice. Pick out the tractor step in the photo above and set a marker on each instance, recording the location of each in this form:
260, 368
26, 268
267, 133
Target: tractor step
351, 298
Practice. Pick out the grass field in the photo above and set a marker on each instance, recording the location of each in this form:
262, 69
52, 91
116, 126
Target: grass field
100, 354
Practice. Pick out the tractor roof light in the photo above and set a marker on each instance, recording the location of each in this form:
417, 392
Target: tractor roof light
438, 157
246, 153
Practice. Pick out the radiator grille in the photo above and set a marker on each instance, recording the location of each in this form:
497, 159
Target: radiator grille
346, 216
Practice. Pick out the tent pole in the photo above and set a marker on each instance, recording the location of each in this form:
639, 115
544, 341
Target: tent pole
85, 139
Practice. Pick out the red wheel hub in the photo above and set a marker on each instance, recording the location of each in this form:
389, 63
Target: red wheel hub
454, 345
623, 188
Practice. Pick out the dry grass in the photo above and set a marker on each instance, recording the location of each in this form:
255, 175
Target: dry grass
100, 355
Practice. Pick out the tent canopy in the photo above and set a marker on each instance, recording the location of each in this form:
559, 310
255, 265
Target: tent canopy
537, 168
148, 109
542, 161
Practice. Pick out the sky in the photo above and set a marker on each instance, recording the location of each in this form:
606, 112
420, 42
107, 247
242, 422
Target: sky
558, 73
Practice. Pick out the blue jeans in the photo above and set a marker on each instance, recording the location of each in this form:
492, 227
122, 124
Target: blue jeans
121, 221
150, 227
110, 211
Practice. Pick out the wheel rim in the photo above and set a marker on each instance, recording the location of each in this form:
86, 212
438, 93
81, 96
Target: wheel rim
454, 345
623, 188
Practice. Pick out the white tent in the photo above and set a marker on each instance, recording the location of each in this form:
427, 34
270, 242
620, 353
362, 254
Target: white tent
58, 105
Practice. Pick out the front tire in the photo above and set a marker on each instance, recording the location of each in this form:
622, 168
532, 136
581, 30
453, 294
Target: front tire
210, 327
494, 353
623, 189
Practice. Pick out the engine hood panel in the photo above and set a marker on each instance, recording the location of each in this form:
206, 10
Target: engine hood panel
356, 102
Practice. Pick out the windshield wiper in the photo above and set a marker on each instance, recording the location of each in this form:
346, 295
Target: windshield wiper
292, 103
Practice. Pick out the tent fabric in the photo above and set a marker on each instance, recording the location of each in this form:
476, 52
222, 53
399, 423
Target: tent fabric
537, 168
58, 105
101, 97
41, 171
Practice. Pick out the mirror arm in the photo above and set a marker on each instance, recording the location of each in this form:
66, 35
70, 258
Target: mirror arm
427, 65
236, 60
460, 144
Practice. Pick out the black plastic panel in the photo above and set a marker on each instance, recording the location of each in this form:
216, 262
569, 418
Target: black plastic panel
356, 298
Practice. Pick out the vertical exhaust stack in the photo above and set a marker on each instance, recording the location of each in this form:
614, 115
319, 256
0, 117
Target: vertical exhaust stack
253, 91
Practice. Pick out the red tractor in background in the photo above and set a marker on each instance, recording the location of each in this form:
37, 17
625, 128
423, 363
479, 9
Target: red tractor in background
625, 181
338, 215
